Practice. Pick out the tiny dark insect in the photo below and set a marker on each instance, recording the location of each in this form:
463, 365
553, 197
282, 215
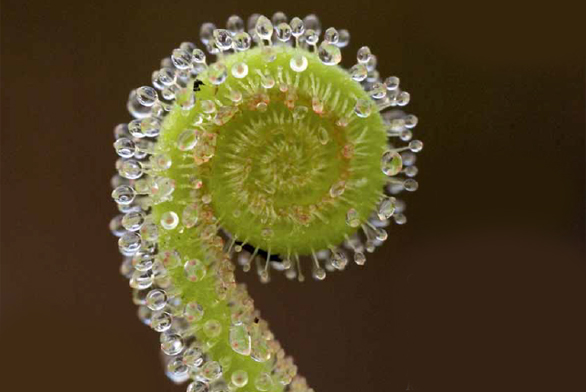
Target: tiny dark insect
196, 85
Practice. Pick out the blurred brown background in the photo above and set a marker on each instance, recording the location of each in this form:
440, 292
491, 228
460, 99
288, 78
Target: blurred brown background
482, 290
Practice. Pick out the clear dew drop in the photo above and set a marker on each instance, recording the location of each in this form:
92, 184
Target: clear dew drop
223, 39
319, 273
159, 109
123, 195
150, 126
381, 234
352, 218
278, 18
378, 90
287, 263
317, 105
133, 220
146, 95
363, 108
400, 219
167, 76
217, 73
139, 296
263, 382
240, 340
162, 187
260, 351
155, 80
338, 259
416, 145
410, 185
129, 242
235, 24
403, 98
194, 270
187, 140
169, 92
344, 38
386, 208
391, 163
211, 371
264, 27
193, 356
169, 220
161, 162
359, 258
225, 113
392, 83
358, 72
267, 81
239, 378
251, 23
235, 96
261, 106
182, 58
239, 70
329, 54
411, 171
242, 41
143, 260
189, 46
156, 299
198, 56
311, 37
206, 32
311, 21
297, 27
363, 55
161, 321
189, 216
298, 62
141, 280
370, 246
332, 36
159, 269
171, 343
208, 106
193, 312
185, 98
284, 32
116, 226
406, 135
135, 128
149, 231
142, 186
144, 315
337, 189
198, 386
411, 121
371, 63
169, 258
120, 131
177, 368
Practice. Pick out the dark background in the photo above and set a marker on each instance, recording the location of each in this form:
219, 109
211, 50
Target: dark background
482, 290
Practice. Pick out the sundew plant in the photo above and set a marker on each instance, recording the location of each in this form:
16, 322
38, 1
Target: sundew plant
263, 153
